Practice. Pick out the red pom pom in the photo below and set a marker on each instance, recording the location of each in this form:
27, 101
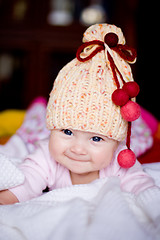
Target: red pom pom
126, 158
130, 111
111, 39
120, 97
131, 88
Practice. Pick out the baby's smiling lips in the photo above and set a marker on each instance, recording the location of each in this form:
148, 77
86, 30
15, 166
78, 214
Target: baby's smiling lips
77, 159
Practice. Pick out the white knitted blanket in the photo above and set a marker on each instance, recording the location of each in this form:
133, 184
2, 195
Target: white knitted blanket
99, 210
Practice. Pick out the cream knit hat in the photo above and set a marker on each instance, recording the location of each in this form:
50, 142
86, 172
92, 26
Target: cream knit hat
81, 97
95, 92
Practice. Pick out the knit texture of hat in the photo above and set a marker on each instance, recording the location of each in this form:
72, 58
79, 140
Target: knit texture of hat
81, 94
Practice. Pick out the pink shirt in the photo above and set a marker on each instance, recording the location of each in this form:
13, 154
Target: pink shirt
42, 171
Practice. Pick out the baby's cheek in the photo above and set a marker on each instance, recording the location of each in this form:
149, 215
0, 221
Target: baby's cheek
52, 147
107, 162
106, 159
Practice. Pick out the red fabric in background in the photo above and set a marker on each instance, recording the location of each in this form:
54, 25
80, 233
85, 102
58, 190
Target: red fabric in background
153, 154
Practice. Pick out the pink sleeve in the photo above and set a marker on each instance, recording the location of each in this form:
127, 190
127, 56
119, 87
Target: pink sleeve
39, 174
135, 180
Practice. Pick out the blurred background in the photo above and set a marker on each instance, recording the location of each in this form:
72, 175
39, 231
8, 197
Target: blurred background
37, 38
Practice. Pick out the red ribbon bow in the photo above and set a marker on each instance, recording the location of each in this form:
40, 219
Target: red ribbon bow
111, 39
127, 53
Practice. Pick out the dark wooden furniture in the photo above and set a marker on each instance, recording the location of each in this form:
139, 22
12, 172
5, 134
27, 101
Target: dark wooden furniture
38, 49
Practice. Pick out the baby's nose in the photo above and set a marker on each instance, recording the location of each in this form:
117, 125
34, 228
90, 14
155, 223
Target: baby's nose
78, 148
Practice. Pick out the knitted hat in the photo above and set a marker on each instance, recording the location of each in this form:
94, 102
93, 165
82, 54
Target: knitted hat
93, 92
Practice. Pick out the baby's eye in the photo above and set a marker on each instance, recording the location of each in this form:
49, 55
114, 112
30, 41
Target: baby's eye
67, 132
96, 139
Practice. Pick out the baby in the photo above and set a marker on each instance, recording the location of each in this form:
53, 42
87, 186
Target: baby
89, 114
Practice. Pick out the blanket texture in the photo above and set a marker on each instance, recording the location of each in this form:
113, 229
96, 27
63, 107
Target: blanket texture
99, 210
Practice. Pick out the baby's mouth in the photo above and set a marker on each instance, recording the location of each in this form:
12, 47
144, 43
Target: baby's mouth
77, 158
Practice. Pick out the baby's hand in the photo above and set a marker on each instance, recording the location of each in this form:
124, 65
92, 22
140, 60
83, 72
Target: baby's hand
7, 197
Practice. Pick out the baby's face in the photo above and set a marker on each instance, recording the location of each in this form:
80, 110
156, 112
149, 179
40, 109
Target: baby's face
81, 152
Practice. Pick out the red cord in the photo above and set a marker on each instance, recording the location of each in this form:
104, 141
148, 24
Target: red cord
112, 64
128, 141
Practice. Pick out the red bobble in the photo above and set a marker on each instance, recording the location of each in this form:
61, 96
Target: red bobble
126, 158
131, 88
120, 97
130, 111
111, 39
